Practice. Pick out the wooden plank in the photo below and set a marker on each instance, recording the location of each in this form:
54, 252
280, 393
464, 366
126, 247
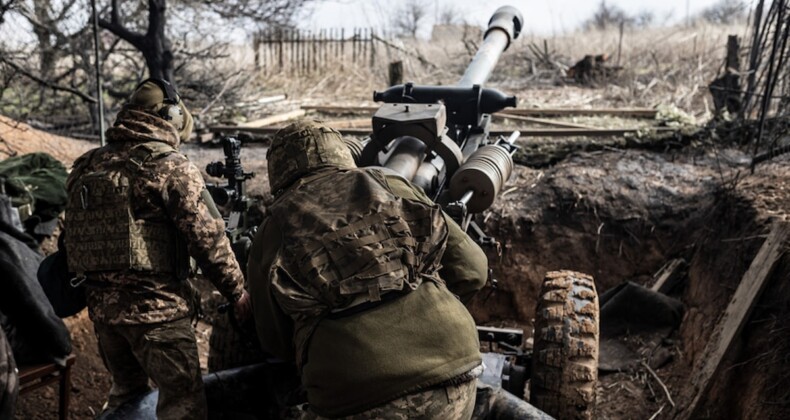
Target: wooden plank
339, 109
552, 123
585, 132
526, 112
355, 123
273, 129
526, 132
561, 112
737, 313
274, 119
669, 276
262, 101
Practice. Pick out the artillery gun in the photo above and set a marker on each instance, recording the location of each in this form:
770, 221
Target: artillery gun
232, 195
438, 138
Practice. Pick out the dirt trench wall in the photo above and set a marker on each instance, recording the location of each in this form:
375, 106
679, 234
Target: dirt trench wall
615, 215
620, 216
754, 378
754, 382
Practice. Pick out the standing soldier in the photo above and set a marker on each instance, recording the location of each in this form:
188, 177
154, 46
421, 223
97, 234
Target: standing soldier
137, 210
359, 278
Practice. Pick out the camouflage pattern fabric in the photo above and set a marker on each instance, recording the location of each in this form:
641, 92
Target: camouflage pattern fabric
166, 353
454, 402
166, 189
356, 355
100, 218
305, 147
348, 240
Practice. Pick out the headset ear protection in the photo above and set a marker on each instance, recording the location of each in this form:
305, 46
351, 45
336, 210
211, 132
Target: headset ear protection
170, 111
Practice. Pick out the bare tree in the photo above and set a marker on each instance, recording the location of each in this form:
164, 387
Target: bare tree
409, 17
153, 43
61, 61
156, 47
607, 15
5, 6
449, 15
54, 77
54, 38
645, 18
725, 12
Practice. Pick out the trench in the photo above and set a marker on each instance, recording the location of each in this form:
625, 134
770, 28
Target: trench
620, 216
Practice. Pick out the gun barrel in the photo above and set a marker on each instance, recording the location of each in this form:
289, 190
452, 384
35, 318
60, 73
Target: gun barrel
505, 25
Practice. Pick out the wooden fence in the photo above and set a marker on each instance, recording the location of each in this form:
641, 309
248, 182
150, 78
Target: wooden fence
303, 52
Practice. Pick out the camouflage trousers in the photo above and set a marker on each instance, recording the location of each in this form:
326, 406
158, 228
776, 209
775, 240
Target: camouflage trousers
454, 402
167, 354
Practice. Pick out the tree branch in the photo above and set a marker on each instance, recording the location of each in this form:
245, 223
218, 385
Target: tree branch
116, 27
47, 83
156, 18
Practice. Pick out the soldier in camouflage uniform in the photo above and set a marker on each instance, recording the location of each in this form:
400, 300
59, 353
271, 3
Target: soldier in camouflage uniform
359, 278
137, 210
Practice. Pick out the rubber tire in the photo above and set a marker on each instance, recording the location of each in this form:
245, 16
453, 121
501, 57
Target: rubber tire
565, 358
9, 379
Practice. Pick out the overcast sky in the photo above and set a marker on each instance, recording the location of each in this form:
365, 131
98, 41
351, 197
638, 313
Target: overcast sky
542, 17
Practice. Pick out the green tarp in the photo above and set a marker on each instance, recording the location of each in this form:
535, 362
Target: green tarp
38, 180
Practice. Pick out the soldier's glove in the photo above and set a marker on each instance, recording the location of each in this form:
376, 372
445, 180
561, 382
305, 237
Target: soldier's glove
243, 307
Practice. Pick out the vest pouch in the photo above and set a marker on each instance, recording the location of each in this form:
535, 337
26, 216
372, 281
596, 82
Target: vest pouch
98, 223
105, 236
349, 241
153, 247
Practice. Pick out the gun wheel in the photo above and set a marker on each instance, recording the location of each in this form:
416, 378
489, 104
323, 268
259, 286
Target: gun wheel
565, 358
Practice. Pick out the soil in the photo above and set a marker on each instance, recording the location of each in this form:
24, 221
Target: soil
618, 216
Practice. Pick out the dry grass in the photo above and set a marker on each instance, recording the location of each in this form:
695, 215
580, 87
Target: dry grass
671, 66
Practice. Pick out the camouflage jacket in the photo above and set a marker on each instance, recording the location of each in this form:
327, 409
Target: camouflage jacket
358, 361
167, 188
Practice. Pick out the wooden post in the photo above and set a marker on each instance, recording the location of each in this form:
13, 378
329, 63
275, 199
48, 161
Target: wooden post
620, 42
354, 47
365, 45
293, 50
342, 47
396, 73
737, 313
726, 89
338, 44
256, 49
315, 51
323, 47
372, 49
333, 43
280, 47
295, 43
754, 58
303, 48
270, 50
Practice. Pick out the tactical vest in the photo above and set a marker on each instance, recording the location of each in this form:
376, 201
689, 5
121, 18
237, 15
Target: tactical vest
348, 240
102, 231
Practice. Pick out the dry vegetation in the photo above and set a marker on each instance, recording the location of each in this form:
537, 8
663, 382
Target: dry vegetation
670, 66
